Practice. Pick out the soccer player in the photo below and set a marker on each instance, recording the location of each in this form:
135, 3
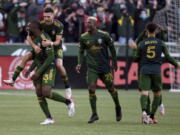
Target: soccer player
149, 55
44, 76
54, 29
160, 34
96, 44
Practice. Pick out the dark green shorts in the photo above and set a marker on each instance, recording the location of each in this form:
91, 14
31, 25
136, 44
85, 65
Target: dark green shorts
48, 77
106, 78
150, 82
58, 53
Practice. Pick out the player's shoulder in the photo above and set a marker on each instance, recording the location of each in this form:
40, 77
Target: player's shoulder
57, 23
104, 33
42, 22
84, 35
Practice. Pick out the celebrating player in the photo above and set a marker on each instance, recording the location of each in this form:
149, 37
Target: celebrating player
96, 44
149, 55
54, 29
44, 76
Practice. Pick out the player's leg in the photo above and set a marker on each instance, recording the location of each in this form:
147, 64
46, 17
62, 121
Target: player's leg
108, 81
91, 80
43, 105
161, 106
145, 86
47, 83
62, 71
149, 100
156, 87
18, 69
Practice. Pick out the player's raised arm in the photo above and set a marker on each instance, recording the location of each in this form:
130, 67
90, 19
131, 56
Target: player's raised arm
137, 54
168, 57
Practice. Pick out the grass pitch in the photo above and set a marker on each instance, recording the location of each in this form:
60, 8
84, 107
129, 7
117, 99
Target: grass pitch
20, 115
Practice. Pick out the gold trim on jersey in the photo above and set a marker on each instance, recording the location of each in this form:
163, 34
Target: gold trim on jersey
57, 24
94, 47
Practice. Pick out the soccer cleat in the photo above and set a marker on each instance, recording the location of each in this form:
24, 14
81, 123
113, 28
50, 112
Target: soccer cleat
47, 121
145, 118
9, 82
118, 113
68, 93
71, 109
93, 118
161, 109
153, 121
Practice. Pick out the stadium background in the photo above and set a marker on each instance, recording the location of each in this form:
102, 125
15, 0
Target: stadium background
73, 15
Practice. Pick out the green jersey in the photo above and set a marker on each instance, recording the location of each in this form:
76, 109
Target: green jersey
96, 47
56, 28
45, 58
149, 54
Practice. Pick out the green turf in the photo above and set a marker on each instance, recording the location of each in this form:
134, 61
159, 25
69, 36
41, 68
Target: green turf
21, 115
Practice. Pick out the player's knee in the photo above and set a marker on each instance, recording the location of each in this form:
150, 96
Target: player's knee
144, 92
46, 94
157, 93
110, 88
92, 88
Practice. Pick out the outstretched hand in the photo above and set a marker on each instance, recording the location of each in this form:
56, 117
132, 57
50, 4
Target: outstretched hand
78, 68
35, 76
46, 43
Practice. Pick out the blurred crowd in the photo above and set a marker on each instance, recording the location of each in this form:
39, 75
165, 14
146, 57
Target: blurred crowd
121, 18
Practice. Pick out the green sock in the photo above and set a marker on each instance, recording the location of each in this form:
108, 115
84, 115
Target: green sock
160, 100
149, 105
66, 81
144, 102
92, 99
57, 97
44, 106
155, 104
115, 98
17, 72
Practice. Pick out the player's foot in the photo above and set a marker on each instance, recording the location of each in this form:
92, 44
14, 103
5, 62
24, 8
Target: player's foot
47, 121
93, 118
118, 113
155, 121
9, 82
68, 93
162, 109
145, 118
71, 109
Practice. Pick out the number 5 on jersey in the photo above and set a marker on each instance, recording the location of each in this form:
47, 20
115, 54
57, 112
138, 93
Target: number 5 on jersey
151, 52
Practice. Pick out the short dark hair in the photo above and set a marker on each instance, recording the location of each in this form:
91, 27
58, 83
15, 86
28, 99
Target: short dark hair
34, 25
48, 10
151, 27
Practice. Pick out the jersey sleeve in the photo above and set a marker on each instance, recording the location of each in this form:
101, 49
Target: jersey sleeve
50, 58
59, 28
137, 54
167, 55
81, 51
110, 43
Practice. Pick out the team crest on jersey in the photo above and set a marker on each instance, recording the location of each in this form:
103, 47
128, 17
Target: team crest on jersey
87, 42
53, 32
100, 41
